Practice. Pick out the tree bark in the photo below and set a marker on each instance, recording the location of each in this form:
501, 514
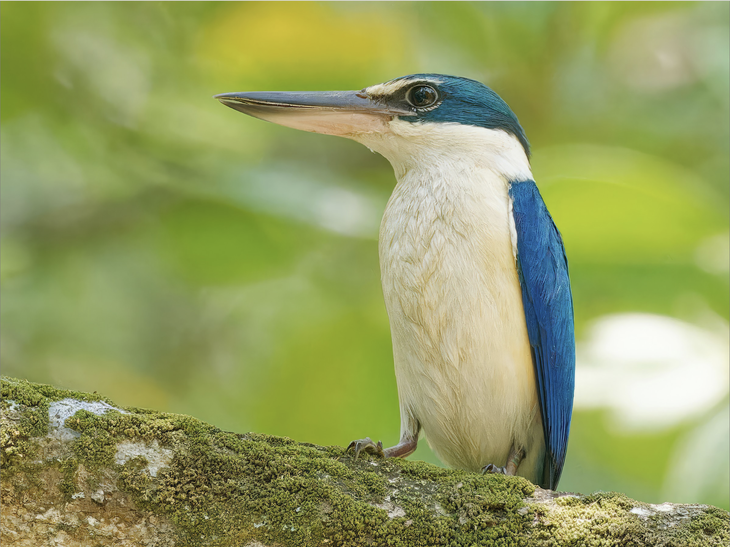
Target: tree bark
78, 470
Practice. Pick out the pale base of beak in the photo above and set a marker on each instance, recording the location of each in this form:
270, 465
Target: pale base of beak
339, 122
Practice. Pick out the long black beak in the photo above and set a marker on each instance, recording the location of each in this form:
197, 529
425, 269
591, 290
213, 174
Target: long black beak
341, 113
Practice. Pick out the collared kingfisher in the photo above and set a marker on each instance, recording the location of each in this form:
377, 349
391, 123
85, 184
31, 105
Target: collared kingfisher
474, 271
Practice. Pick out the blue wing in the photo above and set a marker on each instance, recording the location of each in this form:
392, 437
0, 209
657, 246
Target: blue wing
546, 297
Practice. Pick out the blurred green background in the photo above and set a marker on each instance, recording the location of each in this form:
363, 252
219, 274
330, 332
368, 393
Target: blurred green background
171, 253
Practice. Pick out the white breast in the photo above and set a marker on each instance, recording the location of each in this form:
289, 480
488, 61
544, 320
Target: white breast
462, 355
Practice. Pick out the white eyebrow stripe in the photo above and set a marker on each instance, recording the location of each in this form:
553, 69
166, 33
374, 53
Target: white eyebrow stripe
388, 88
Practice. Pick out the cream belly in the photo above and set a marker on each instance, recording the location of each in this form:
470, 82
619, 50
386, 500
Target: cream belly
462, 356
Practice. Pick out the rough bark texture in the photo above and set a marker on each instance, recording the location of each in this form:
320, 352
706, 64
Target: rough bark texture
78, 470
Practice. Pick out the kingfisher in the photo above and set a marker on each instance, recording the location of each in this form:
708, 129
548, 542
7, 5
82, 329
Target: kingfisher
473, 268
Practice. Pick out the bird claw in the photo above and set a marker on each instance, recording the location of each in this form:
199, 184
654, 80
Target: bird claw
368, 446
493, 469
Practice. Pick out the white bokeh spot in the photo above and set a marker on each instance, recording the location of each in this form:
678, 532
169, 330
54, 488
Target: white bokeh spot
651, 371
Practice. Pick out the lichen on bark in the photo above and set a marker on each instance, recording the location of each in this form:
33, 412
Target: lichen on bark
79, 470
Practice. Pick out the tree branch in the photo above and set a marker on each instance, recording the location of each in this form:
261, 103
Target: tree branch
77, 470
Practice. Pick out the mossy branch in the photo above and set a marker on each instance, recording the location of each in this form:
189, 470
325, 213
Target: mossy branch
79, 470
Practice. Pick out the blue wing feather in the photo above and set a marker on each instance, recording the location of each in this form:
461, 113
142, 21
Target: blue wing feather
546, 297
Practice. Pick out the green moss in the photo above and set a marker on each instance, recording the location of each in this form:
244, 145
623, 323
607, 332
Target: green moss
30, 394
221, 488
610, 500
25, 417
714, 522
581, 524
284, 487
32, 402
712, 527
603, 519
67, 486
95, 449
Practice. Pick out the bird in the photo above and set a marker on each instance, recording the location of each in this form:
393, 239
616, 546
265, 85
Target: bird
473, 269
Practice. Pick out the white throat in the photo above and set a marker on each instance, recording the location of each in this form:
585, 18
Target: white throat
444, 147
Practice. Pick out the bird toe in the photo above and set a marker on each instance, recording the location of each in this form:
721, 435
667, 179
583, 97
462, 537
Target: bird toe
366, 445
492, 469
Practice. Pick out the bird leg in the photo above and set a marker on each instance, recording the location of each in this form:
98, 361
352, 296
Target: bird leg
513, 462
404, 448
409, 431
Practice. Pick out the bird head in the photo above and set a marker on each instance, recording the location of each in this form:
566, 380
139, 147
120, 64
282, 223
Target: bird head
413, 120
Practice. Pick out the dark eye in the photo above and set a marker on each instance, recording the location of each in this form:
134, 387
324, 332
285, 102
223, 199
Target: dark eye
422, 96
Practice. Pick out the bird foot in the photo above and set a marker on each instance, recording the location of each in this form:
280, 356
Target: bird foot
366, 445
493, 469
513, 462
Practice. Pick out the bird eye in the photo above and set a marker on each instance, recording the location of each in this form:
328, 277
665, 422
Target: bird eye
422, 96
